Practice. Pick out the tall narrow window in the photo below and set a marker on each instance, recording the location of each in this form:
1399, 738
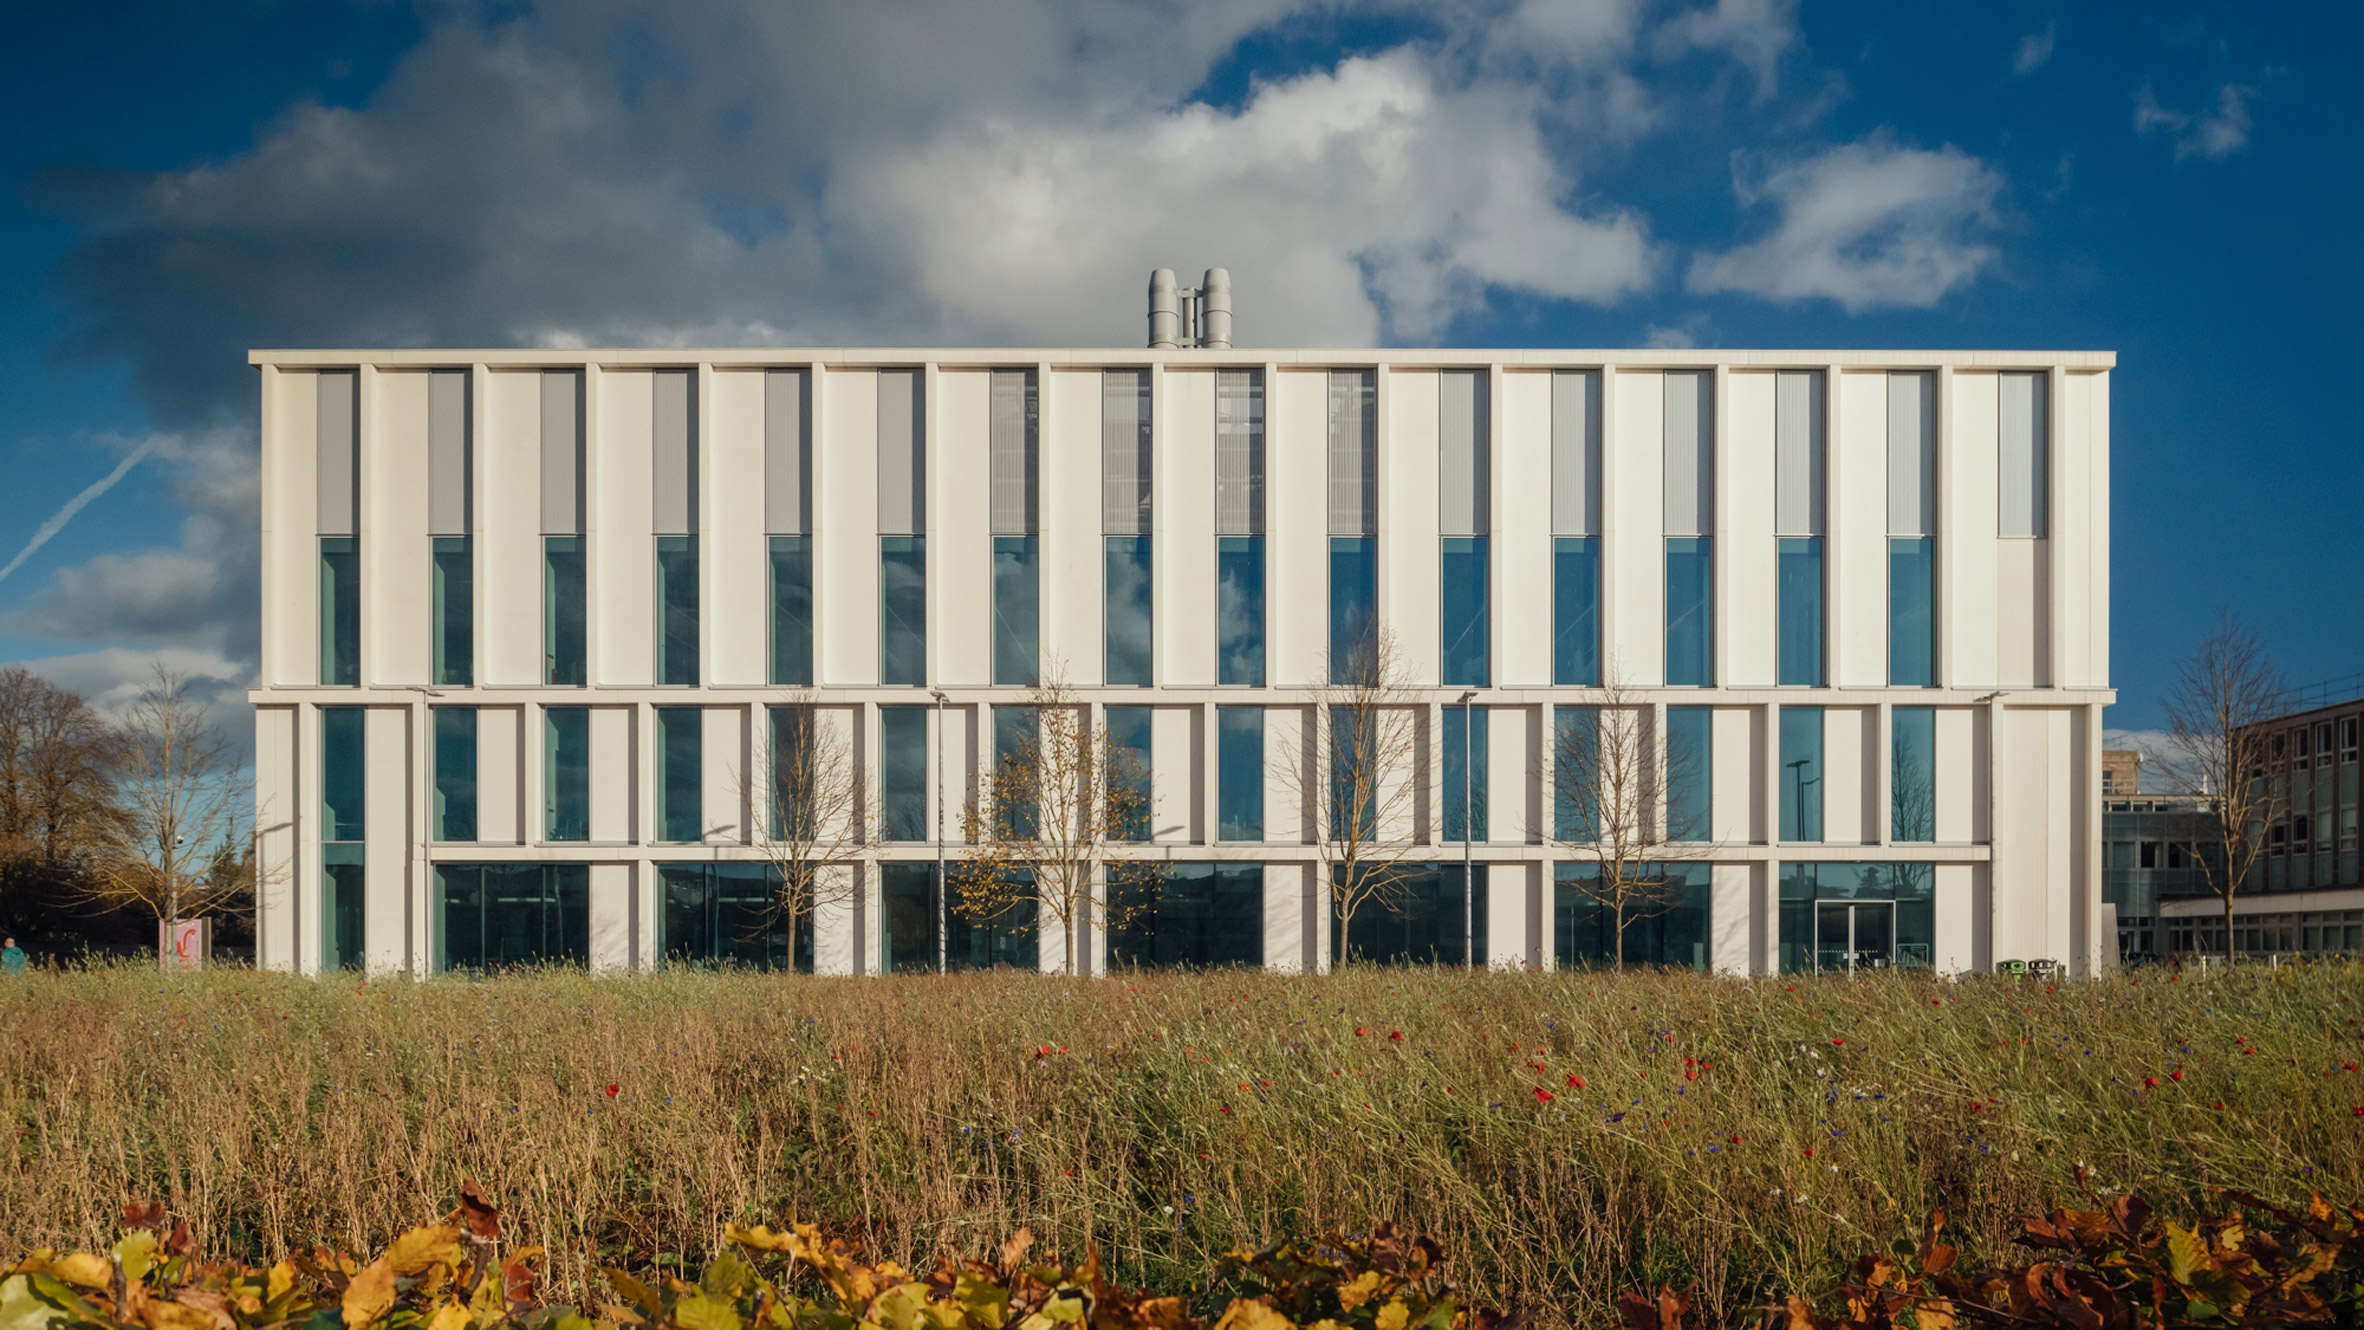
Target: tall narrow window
1354, 524
796, 803
677, 610
1015, 739
448, 510
1575, 760
455, 773
1690, 773
563, 612
903, 774
1576, 611
1912, 518
566, 773
2024, 479
1690, 519
1801, 773
681, 774
1126, 471
1239, 527
1576, 528
343, 790
902, 527
1798, 508
340, 611
1464, 518
1912, 781
908, 940
1465, 774
1239, 773
1128, 772
787, 510
1017, 574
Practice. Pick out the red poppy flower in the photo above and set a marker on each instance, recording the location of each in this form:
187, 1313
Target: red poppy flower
2150, 1082
1735, 1140
1359, 1032
1976, 1107
1690, 1075
1542, 1096
1838, 1043
2360, 1110
2175, 1075
1575, 1082
1227, 1109
1395, 1036
1042, 1050
613, 1090
1809, 1152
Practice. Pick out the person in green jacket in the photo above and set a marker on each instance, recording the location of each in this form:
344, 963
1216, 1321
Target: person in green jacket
12, 958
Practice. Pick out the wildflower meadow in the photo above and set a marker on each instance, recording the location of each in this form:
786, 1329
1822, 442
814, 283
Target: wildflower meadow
1565, 1137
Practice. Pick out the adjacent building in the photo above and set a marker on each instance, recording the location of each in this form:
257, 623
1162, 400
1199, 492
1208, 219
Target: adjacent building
531, 617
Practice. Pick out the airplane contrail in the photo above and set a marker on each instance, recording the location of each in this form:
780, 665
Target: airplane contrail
57, 520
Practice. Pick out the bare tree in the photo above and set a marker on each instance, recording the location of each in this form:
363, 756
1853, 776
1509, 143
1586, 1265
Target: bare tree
1360, 776
1613, 772
179, 793
816, 816
56, 788
2217, 747
1049, 822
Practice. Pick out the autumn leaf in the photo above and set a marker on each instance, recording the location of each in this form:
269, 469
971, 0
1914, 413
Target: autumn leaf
424, 1246
369, 1296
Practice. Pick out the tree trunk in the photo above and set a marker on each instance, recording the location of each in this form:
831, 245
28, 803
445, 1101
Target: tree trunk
1617, 913
2228, 930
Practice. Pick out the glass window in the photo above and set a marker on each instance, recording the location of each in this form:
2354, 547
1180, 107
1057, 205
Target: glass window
1576, 741
1666, 916
1354, 606
907, 937
903, 774
455, 773
1239, 610
1912, 782
1128, 773
677, 610
1846, 917
1801, 611
795, 773
1911, 638
340, 611
1463, 585
563, 618
1014, 737
792, 611
343, 772
492, 915
455, 612
1017, 611
1239, 773
1801, 773
681, 774
977, 940
728, 914
344, 919
1187, 915
566, 773
1690, 773
1690, 613
1128, 597
1465, 773
1418, 921
902, 611
1576, 611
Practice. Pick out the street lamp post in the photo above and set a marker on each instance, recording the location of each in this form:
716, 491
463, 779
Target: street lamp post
937, 798
1468, 829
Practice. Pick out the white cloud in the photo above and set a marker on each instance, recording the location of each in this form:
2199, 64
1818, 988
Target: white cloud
1868, 224
2035, 50
2214, 134
114, 678
1754, 33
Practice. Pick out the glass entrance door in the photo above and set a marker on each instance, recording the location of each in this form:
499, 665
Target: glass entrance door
1853, 935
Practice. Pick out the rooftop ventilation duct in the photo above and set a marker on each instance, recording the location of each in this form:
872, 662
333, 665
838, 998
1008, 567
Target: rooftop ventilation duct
1190, 316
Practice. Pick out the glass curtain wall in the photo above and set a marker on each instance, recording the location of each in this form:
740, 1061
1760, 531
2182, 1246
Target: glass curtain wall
1911, 632
1354, 606
1576, 611
677, 610
455, 611
1015, 735
1690, 612
344, 767
566, 773
1128, 771
728, 914
1844, 917
491, 916
903, 774
1801, 773
1416, 923
1017, 611
340, 611
1464, 741
1194, 916
681, 774
1463, 589
455, 773
1666, 919
1239, 608
907, 935
563, 616
978, 939
1800, 578
902, 611
1239, 773
1130, 656
1576, 746
1690, 773
1912, 781
792, 611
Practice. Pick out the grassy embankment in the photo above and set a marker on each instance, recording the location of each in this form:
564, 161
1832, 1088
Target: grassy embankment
1745, 1136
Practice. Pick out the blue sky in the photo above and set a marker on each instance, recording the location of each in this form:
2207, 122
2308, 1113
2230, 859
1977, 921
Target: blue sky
2177, 183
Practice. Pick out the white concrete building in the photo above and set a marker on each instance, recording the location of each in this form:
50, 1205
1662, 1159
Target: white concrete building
524, 613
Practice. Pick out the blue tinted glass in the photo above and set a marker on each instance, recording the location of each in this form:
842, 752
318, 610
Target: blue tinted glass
1575, 753
1671, 931
1801, 611
902, 610
1690, 613
1128, 771
1576, 611
681, 774
1801, 773
1128, 599
1189, 915
455, 773
1465, 772
677, 610
903, 775
1354, 795
1911, 648
340, 611
1690, 773
1354, 607
455, 612
563, 655
792, 611
1912, 782
1239, 610
566, 772
1017, 611
343, 916
1462, 591
1239, 773
1014, 747
343, 772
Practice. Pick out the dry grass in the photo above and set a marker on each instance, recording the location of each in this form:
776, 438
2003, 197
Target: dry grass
920, 1112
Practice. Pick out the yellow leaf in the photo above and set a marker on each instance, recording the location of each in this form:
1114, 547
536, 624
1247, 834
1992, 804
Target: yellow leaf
1362, 1290
23, 1308
986, 1303
137, 1250
758, 1238
282, 1279
900, 1307
1249, 1315
1394, 1316
370, 1295
424, 1246
450, 1316
157, 1314
696, 1311
83, 1268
